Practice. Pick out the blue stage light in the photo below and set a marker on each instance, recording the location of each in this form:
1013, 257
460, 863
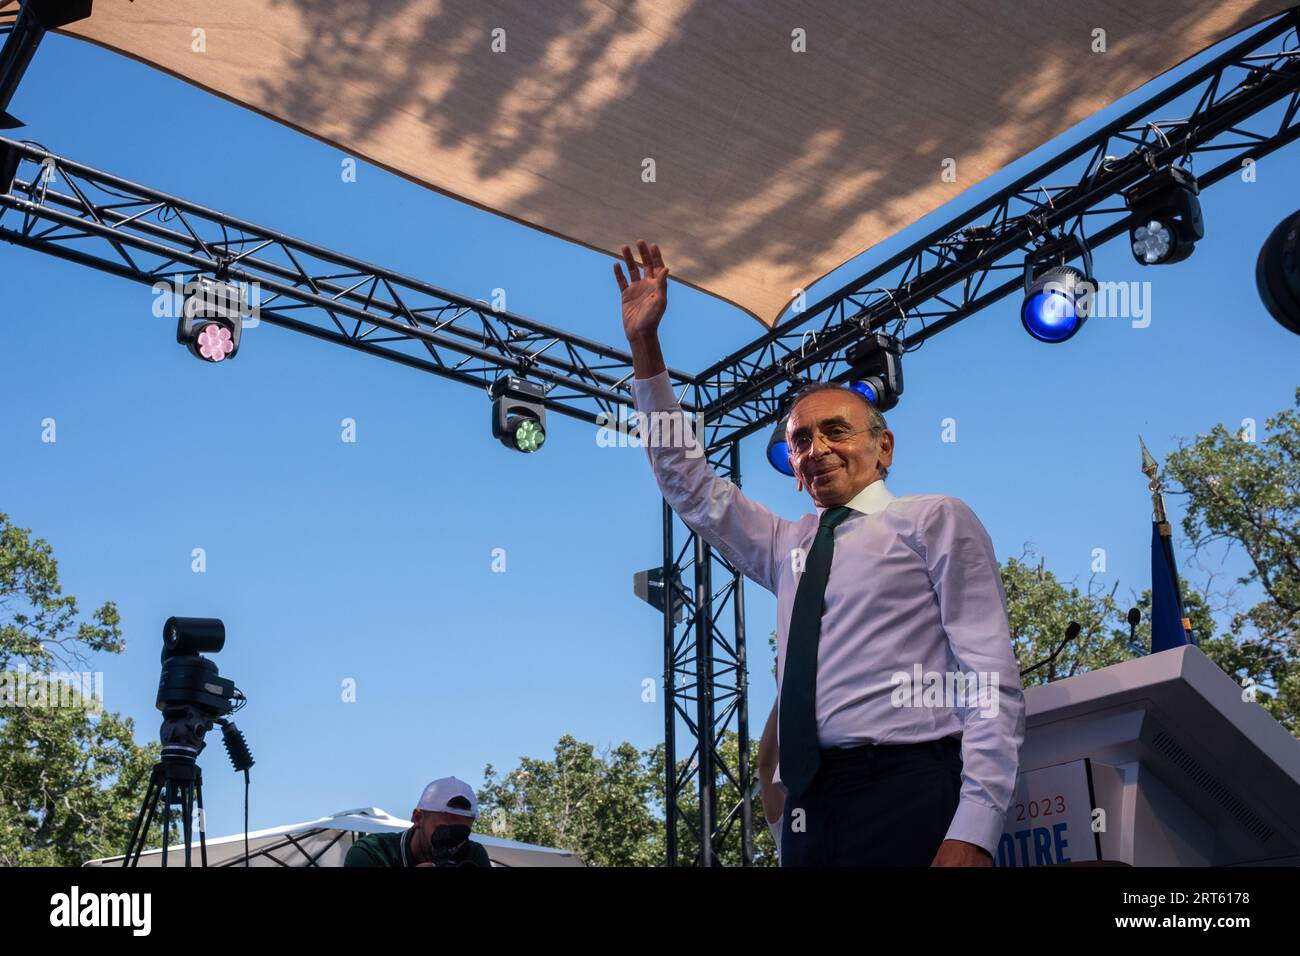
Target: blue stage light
1055, 306
867, 390
876, 370
778, 450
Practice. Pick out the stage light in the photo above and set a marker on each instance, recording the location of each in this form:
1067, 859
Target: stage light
867, 389
211, 319
518, 413
1057, 297
1166, 217
1052, 310
1277, 276
778, 449
875, 373
1152, 242
876, 370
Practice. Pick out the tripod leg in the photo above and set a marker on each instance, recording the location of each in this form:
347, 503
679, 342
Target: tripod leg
167, 817
187, 821
144, 820
203, 821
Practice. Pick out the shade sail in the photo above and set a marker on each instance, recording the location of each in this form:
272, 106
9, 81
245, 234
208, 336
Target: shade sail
771, 166
326, 841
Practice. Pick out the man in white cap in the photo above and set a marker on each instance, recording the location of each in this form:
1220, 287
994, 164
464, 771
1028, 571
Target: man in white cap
439, 837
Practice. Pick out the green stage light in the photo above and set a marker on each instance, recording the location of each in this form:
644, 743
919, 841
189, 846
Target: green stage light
518, 413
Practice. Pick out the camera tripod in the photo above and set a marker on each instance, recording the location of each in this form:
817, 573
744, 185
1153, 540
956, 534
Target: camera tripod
176, 780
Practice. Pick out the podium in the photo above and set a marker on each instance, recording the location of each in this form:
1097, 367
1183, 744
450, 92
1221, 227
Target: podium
1157, 761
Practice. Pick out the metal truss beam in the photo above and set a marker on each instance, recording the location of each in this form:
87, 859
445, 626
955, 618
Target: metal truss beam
706, 687
959, 268
141, 234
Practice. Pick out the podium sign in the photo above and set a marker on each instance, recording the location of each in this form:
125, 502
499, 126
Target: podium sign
1050, 818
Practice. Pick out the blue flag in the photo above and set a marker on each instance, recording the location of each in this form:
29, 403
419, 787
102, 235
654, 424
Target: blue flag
1167, 628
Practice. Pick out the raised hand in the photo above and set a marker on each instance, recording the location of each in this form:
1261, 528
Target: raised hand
645, 296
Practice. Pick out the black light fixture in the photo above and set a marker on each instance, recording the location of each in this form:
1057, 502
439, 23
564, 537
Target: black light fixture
1277, 273
974, 241
876, 370
518, 413
1057, 297
875, 373
1166, 217
211, 319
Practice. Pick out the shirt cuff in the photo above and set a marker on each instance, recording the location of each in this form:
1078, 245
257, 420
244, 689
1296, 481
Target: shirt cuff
977, 823
654, 393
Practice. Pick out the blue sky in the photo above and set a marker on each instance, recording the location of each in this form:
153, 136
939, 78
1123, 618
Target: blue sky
372, 560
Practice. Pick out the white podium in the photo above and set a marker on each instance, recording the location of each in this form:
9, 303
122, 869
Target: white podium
1185, 771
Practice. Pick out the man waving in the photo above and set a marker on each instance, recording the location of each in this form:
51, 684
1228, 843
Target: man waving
899, 708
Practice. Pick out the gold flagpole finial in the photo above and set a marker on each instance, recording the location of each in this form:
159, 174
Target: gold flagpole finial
1151, 469
1149, 465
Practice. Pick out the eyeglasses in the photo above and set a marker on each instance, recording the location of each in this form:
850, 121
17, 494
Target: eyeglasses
802, 443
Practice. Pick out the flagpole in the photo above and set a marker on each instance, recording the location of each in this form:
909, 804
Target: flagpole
1164, 541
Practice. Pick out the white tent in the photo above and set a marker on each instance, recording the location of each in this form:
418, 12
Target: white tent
325, 842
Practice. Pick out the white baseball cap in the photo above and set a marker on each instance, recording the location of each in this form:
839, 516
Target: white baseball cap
450, 795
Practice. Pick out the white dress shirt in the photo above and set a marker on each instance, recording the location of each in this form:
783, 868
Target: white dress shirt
914, 589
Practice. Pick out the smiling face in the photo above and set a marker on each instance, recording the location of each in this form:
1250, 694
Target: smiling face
834, 469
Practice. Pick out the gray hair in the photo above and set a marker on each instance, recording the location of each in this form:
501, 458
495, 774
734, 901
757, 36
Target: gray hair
876, 421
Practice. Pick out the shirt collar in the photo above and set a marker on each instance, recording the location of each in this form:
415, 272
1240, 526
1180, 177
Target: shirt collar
875, 497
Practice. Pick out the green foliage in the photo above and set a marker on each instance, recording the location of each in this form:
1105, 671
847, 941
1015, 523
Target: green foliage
71, 786
1246, 494
727, 800
1040, 608
38, 623
70, 776
597, 805
608, 807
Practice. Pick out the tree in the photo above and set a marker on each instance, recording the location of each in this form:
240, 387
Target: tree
1245, 493
597, 805
70, 775
1040, 609
727, 800
608, 807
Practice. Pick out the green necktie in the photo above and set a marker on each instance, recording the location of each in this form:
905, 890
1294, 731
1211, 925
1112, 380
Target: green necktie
800, 755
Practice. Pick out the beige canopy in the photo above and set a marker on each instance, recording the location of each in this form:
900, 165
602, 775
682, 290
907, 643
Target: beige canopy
761, 143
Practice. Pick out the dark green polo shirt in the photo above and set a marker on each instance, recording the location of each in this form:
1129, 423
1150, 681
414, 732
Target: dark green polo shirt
387, 849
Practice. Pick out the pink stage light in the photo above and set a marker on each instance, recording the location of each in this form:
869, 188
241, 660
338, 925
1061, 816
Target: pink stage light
214, 342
